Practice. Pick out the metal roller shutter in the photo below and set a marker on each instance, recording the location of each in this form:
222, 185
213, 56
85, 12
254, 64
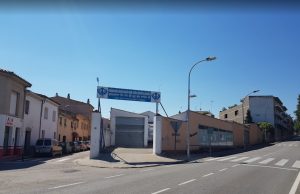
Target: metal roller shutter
129, 132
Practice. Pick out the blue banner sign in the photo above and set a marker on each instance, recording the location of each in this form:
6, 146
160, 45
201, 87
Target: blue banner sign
127, 94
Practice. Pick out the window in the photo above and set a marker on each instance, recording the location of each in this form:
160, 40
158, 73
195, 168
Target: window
60, 121
43, 133
46, 113
14, 99
27, 107
65, 122
72, 124
58, 137
236, 112
225, 116
54, 135
54, 116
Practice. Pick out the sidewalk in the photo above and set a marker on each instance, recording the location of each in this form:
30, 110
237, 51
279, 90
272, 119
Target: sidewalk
130, 158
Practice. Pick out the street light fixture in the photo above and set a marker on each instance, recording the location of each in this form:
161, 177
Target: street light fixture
243, 100
188, 111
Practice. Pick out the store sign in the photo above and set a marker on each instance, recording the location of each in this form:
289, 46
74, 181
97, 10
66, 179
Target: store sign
128, 94
9, 122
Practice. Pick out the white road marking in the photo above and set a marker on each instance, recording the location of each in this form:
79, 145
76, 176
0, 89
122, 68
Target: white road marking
290, 145
266, 161
61, 186
282, 162
235, 165
296, 164
64, 159
295, 185
160, 191
269, 154
114, 176
147, 170
223, 169
252, 159
229, 158
208, 174
186, 182
211, 159
290, 169
295, 145
239, 159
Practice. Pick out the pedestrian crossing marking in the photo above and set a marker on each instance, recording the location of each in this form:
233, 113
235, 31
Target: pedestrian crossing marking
239, 159
62, 160
282, 162
229, 158
212, 159
296, 164
266, 161
252, 159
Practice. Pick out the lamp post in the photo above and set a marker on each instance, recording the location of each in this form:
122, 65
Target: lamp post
188, 111
243, 100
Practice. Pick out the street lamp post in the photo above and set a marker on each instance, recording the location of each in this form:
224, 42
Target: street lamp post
243, 115
188, 111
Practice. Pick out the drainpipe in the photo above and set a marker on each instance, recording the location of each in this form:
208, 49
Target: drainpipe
41, 114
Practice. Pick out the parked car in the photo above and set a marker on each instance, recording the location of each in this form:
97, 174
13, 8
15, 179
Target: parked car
48, 146
83, 147
88, 144
75, 146
66, 147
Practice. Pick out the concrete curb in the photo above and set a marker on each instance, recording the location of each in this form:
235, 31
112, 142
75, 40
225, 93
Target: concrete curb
78, 162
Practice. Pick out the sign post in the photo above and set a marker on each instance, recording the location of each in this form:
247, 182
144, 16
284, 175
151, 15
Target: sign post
176, 126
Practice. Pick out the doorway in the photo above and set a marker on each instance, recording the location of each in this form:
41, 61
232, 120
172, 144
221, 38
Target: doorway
6, 141
27, 142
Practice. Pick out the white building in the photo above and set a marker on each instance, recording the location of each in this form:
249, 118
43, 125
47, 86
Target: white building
12, 97
40, 119
262, 109
128, 129
150, 116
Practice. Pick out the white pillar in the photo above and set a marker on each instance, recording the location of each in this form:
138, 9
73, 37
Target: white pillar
95, 135
157, 127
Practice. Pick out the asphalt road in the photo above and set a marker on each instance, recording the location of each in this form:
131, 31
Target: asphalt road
272, 169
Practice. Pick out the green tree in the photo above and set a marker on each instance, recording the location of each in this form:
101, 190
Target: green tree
297, 120
249, 117
266, 127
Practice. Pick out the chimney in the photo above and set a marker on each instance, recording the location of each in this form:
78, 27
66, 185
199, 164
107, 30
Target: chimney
56, 94
88, 101
68, 95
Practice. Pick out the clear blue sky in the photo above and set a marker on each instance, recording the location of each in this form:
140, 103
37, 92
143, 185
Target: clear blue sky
64, 51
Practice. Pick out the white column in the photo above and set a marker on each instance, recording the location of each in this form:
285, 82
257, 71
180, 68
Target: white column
95, 135
157, 126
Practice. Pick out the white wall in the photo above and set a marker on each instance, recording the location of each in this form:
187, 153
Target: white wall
95, 135
17, 123
49, 125
32, 119
157, 135
120, 113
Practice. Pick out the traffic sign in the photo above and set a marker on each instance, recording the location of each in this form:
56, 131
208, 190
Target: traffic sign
128, 94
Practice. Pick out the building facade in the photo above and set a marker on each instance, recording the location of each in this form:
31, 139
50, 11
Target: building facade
74, 119
40, 119
128, 129
262, 109
12, 100
205, 132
